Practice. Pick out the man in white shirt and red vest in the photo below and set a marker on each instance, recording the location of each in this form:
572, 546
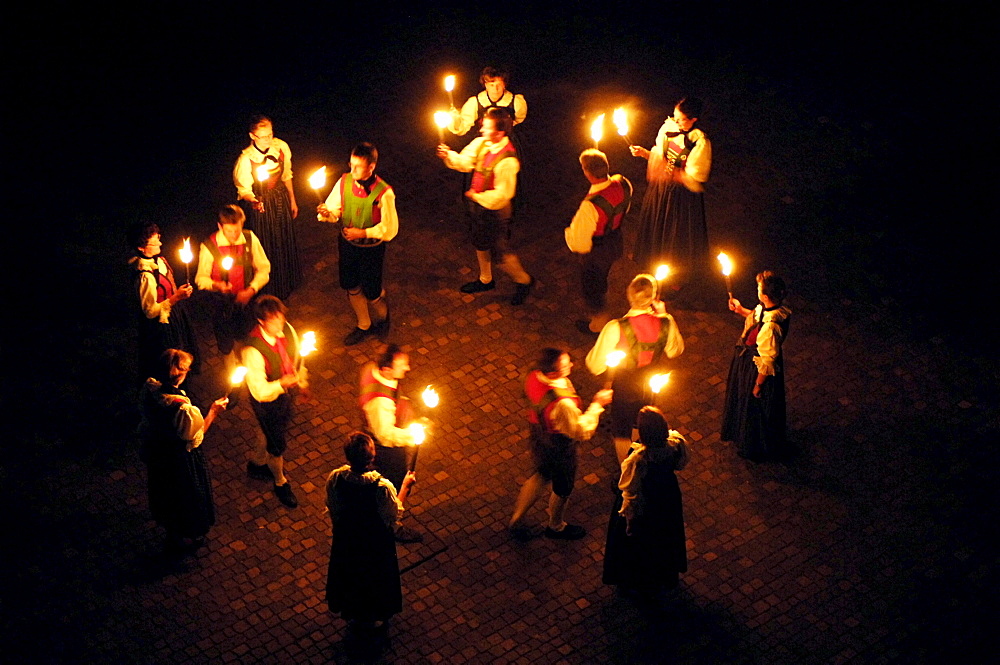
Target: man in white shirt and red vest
232, 289
646, 334
493, 160
366, 205
556, 423
274, 369
387, 416
595, 234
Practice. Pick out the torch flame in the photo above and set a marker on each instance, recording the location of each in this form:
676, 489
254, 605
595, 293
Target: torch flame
614, 358
227, 263
621, 120
263, 173
658, 381
597, 128
449, 83
418, 432
430, 397
238, 375
318, 179
186, 254
308, 344
442, 119
727, 265
662, 272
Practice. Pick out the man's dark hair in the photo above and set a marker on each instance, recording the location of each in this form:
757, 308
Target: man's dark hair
501, 119
267, 306
548, 360
366, 151
232, 214
389, 355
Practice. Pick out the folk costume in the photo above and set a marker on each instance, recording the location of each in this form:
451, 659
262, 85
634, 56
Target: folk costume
672, 227
595, 234
267, 359
363, 575
275, 226
162, 325
180, 490
656, 552
385, 416
757, 424
475, 108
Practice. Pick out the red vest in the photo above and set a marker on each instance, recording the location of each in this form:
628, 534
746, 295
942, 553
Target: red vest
276, 364
543, 399
612, 203
165, 285
642, 338
372, 387
242, 272
486, 162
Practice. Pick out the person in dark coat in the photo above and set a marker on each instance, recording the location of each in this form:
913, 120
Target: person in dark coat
646, 548
180, 489
363, 578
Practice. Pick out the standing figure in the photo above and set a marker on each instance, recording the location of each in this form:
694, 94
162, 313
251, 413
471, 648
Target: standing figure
754, 418
387, 416
180, 489
555, 424
274, 368
494, 161
231, 290
494, 96
595, 234
645, 334
672, 224
273, 202
362, 582
366, 205
164, 322
646, 547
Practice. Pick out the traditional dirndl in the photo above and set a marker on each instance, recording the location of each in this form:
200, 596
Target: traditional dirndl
276, 230
755, 424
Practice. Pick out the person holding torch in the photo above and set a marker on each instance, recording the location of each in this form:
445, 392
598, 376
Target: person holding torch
387, 418
645, 334
163, 321
274, 368
366, 207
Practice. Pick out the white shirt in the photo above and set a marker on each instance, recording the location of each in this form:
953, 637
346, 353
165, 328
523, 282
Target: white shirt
610, 335
466, 119
504, 174
260, 388
380, 412
243, 176
388, 225
580, 232
566, 417
259, 260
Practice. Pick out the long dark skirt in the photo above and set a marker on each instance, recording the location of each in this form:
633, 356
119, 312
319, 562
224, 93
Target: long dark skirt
276, 230
755, 424
180, 489
363, 578
672, 230
156, 337
656, 552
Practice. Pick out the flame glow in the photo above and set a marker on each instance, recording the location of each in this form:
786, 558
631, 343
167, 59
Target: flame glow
727, 265
238, 375
430, 397
597, 129
658, 381
318, 179
620, 118
449, 83
187, 256
227, 263
442, 119
418, 432
614, 358
662, 272
308, 343
263, 173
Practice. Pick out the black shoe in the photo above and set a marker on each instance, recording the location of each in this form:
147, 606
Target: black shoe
570, 532
259, 471
285, 496
521, 292
405, 535
525, 533
381, 329
477, 286
357, 336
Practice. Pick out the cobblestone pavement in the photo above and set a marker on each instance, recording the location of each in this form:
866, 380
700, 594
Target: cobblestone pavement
870, 546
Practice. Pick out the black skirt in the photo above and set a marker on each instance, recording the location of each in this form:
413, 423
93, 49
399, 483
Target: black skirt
672, 230
755, 424
180, 489
276, 230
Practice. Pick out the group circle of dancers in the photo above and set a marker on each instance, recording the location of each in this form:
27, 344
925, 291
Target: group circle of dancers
645, 547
